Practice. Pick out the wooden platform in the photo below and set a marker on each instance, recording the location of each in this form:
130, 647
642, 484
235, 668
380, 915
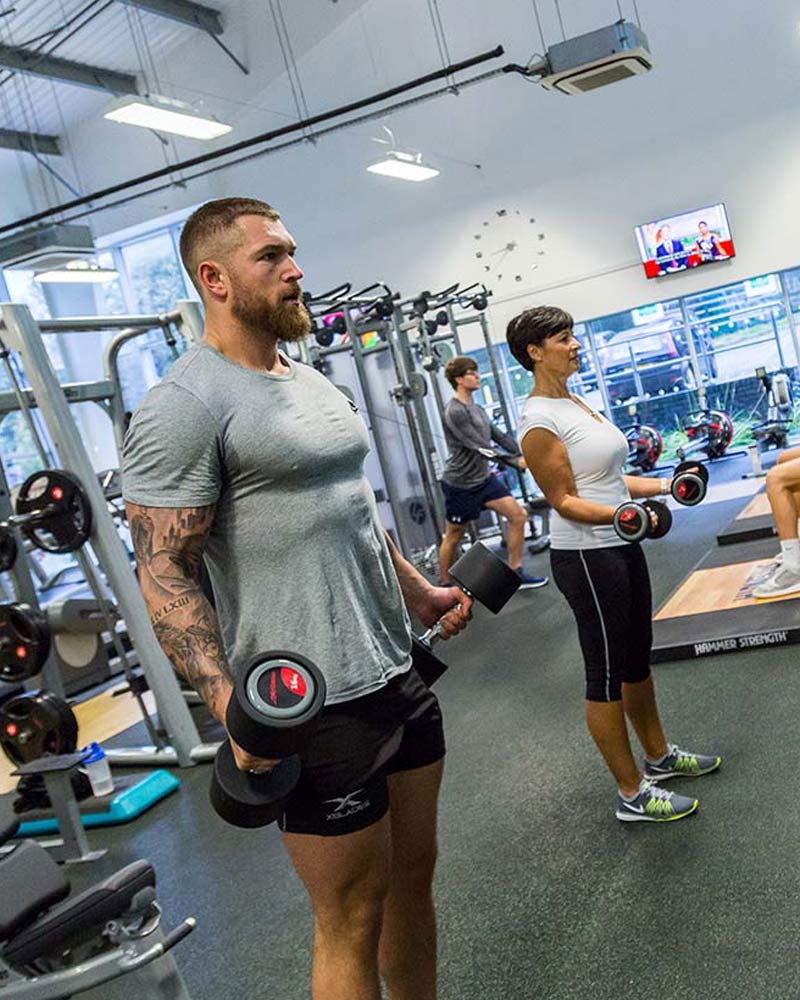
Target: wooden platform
753, 521
99, 718
713, 610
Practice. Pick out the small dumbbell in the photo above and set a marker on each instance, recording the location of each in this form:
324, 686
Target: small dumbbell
486, 579
634, 521
272, 713
689, 483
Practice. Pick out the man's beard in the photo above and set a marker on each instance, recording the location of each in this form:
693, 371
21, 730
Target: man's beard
287, 321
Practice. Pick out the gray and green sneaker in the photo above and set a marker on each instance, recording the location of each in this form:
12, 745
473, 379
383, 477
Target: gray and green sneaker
654, 805
681, 764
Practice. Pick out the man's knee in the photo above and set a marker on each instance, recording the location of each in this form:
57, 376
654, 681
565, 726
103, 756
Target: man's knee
413, 872
517, 516
353, 911
774, 479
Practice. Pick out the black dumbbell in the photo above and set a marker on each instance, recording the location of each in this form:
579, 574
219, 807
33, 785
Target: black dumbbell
634, 521
486, 579
689, 483
272, 713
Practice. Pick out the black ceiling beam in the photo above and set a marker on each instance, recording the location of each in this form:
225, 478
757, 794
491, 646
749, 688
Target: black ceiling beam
30, 142
185, 11
65, 71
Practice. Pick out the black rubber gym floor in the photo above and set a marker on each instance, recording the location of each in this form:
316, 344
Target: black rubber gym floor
542, 893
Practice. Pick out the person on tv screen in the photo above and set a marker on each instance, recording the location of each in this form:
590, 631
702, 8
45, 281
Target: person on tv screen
670, 254
707, 245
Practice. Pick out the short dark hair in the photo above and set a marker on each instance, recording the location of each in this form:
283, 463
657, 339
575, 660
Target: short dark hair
457, 367
209, 229
534, 326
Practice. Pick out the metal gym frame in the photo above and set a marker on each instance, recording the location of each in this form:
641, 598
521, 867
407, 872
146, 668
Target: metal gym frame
23, 335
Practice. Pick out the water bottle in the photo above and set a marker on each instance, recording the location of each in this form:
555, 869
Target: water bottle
95, 764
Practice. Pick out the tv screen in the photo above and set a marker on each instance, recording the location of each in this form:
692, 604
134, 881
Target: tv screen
679, 242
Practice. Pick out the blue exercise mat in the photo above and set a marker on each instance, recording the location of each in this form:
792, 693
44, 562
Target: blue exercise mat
122, 807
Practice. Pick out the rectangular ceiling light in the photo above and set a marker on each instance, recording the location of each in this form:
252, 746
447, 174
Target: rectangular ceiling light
77, 273
405, 166
165, 115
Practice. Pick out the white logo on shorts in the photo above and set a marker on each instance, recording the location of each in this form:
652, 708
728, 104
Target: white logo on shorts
349, 805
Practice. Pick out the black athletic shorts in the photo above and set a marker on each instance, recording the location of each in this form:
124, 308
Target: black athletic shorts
357, 744
461, 506
609, 593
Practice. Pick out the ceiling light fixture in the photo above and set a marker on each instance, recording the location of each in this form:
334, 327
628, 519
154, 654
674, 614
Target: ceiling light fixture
404, 166
165, 115
77, 272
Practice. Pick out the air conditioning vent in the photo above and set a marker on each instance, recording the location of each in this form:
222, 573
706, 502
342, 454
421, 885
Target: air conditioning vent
45, 247
597, 59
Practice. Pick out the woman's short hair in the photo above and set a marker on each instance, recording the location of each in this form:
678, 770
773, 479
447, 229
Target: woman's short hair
458, 366
533, 327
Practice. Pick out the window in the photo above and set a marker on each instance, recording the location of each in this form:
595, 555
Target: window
22, 288
154, 274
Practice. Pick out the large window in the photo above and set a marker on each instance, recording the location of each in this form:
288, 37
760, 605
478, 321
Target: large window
153, 273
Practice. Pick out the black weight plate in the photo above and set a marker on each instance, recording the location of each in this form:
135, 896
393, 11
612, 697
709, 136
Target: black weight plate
695, 467
485, 577
24, 642
250, 800
426, 662
35, 724
277, 698
57, 511
8, 550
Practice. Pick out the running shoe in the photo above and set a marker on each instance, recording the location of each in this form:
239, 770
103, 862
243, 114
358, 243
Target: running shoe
531, 582
654, 805
779, 584
681, 764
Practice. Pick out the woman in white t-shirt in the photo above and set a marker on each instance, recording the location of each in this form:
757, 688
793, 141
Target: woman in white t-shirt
577, 458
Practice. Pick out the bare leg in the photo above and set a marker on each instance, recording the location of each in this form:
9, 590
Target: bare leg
508, 508
783, 486
453, 533
606, 722
408, 940
347, 879
639, 702
789, 456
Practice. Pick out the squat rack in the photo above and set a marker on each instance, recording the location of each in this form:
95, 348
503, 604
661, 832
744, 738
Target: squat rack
23, 335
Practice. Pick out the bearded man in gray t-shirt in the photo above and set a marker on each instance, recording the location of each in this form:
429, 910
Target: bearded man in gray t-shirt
253, 464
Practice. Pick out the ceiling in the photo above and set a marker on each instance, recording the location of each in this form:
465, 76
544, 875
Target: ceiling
716, 62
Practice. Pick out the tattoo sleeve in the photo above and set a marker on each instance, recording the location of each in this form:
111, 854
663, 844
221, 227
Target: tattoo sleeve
168, 544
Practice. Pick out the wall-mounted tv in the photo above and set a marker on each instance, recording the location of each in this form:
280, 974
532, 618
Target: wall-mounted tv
679, 242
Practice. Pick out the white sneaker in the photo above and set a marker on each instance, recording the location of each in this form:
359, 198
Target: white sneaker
780, 583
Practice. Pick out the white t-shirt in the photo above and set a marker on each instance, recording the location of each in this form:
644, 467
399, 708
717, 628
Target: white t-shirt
597, 452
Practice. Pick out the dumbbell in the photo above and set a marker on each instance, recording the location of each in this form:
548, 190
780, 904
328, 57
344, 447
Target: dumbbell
272, 713
633, 521
483, 577
689, 483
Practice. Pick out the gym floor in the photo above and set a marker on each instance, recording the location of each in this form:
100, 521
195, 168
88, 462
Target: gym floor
541, 892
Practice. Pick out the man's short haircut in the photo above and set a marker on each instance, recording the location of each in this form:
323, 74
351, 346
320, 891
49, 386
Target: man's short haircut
211, 230
458, 366
533, 327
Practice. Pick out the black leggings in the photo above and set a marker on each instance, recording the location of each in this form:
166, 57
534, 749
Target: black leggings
609, 593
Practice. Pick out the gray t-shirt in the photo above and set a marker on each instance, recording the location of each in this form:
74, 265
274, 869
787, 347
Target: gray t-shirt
297, 556
466, 428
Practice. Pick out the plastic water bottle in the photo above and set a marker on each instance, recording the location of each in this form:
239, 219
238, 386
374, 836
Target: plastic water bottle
95, 764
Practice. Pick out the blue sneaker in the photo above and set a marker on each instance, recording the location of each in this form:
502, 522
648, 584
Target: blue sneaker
531, 582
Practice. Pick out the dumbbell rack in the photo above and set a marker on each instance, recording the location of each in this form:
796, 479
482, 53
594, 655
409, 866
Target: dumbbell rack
23, 335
